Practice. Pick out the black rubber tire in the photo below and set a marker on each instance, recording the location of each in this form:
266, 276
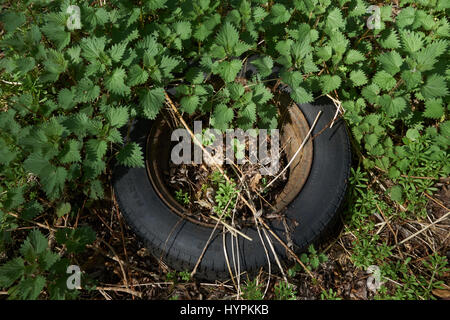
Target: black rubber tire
180, 242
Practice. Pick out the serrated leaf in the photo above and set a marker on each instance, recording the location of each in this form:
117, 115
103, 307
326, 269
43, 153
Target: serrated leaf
384, 80
116, 51
228, 70
335, 20
390, 41
358, 77
167, 65
151, 102
300, 95
137, 76
279, 14
36, 163
227, 37
11, 271
131, 156
391, 62
222, 117
392, 106
189, 104
71, 152
86, 90
66, 99
405, 17
12, 20
75, 239
95, 149
435, 86
183, 29
35, 244
412, 41
354, 56
115, 82
264, 65
63, 208
433, 109
412, 78
330, 83
91, 48
117, 116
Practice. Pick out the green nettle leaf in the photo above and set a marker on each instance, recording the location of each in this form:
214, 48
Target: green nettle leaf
412, 78
392, 106
279, 14
71, 152
207, 27
115, 82
92, 48
117, 116
151, 102
131, 156
335, 20
195, 76
325, 52
300, 95
435, 86
116, 52
189, 104
38, 164
300, 49
264, 65
35, 244
291, 78
76, 239
183, 29
11, 271
66, 99
412, 41
426, 57
329, 83
445, 128
53, 182
86, 90
63, 208
95, 149
405, 17
167, 65
261, 94
6, 155
96, 190
384, 80
12, 20
25, 65
222, 117
57, 34
227, 37
390, 40
391, 62
339, 43
434, 109
228, 70
358, 78
31, 210
136, 76
354, 56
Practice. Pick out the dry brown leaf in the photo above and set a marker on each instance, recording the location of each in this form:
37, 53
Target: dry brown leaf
442, 293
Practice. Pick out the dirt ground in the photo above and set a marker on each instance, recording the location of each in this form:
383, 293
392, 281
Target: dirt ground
122, 268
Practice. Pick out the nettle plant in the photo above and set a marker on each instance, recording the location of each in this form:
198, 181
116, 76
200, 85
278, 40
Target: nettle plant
68, 90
